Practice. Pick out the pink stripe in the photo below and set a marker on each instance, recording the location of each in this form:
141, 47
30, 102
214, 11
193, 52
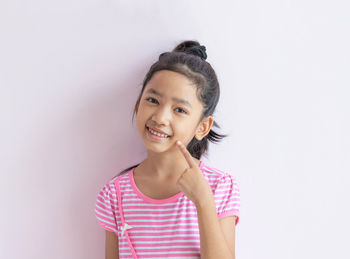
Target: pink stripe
163, 238
102, 217
157, 228
195, 220
171, 243
233, 212
151, 208
103, 210
167, 255
159, 234
107, 226
174, 249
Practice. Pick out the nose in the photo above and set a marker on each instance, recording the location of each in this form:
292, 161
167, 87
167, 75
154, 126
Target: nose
161, 115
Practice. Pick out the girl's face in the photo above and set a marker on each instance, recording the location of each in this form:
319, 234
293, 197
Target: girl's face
168, 104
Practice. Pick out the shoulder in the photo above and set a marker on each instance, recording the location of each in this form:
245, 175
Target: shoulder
110, 187
217, 177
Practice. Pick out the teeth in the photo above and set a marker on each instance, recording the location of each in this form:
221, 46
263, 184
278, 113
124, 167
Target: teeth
158, 134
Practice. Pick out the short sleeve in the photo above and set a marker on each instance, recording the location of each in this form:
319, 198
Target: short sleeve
105, 208
227, 197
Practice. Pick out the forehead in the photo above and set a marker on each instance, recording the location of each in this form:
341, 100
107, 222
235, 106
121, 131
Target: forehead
173, 85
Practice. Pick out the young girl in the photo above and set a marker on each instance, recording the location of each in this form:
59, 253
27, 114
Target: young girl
172, 204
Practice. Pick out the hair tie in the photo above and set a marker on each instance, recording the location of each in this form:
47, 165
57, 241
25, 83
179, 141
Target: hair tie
198, 51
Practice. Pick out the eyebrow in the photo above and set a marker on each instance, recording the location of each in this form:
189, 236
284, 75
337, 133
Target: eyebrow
154, 91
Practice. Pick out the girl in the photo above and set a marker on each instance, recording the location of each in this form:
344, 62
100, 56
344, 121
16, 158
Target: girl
172, 204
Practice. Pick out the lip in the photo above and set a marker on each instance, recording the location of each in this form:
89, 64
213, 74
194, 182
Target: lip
155, 138
157, 130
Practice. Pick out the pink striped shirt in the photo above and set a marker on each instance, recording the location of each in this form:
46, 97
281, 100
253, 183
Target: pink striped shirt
166, 228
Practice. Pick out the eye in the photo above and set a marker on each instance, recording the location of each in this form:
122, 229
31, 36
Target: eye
182, 110
150, 98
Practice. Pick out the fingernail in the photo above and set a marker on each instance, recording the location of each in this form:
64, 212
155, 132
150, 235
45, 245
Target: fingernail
178, 142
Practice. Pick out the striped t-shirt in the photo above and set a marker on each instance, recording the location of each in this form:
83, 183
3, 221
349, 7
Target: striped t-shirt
165, 228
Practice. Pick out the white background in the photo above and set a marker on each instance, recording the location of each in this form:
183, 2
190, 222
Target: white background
70, 73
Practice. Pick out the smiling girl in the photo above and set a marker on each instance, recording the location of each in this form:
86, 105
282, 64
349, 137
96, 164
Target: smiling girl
172, 204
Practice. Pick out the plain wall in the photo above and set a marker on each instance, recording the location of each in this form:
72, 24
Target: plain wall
70, 73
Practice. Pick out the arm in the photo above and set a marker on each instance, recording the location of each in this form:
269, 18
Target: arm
214, 241
112, 247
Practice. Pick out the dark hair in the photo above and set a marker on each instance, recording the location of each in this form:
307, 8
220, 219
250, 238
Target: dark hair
189, 59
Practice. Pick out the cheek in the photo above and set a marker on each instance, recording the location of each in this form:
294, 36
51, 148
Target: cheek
139, 121
186, 130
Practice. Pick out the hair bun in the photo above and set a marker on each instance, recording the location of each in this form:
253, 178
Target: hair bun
192, 47
199, 51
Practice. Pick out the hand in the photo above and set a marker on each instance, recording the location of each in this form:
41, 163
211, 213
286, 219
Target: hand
192, 182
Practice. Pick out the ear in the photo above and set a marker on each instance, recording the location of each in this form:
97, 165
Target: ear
204, 127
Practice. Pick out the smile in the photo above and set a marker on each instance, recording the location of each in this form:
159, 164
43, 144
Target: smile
156, 134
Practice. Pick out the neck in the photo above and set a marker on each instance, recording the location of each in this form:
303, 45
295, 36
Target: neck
165, 166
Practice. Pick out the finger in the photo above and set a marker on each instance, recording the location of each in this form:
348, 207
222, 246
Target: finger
186, 154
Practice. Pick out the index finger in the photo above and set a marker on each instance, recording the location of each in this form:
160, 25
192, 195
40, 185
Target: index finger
186, 154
